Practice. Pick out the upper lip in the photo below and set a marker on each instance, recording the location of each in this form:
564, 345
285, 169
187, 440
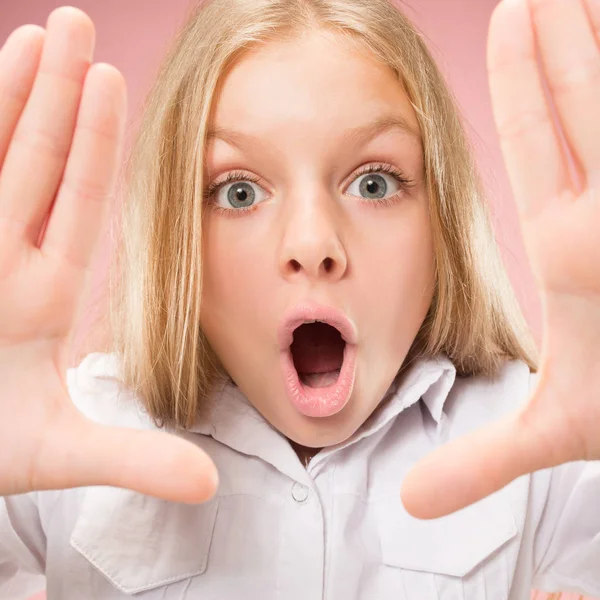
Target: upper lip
309, 312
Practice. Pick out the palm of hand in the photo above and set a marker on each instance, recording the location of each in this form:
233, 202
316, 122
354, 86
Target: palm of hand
558, 199
61, 128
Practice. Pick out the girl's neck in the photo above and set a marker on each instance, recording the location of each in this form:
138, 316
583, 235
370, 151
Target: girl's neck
305, 454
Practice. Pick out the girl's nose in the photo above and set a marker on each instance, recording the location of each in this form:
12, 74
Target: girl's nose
312, 247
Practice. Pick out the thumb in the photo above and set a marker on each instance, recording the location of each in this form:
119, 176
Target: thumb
154, 463
472, 467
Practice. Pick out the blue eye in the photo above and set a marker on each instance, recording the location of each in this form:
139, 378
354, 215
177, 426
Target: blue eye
239, 195
236, 192
374, 183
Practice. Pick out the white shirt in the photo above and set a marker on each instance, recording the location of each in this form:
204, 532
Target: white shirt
334, 531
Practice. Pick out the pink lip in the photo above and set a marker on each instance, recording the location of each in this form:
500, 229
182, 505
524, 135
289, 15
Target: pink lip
318, 402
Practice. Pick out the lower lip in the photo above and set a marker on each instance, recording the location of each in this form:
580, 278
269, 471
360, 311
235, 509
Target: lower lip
325, 401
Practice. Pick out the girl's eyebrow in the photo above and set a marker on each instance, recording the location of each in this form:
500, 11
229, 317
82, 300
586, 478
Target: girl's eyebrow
357, 135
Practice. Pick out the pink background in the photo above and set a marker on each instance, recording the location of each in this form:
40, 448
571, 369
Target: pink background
133, 36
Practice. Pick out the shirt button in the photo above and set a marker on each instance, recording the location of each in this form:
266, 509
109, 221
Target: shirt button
299, 492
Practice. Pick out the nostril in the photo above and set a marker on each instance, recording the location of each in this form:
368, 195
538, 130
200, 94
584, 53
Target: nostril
328, 264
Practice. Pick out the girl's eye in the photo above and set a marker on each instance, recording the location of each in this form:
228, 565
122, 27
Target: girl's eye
239, 194
375, 185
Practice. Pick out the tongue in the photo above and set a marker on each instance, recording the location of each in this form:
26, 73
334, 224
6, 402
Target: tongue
318, 352
317, 380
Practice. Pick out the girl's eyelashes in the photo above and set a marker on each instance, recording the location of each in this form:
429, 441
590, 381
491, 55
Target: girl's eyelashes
241, 197
374, 188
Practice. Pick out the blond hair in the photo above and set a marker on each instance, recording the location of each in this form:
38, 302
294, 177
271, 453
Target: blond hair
155, 308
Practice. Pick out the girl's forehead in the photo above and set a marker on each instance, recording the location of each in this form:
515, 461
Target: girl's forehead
319, 85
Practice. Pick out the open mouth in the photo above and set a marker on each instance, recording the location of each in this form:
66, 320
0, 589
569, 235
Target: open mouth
318, 354
318, 358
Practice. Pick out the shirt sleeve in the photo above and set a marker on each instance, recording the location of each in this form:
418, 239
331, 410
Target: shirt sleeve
22, 547
567, 542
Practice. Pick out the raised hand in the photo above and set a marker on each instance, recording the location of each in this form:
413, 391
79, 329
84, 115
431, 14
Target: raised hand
559, 209
61, 134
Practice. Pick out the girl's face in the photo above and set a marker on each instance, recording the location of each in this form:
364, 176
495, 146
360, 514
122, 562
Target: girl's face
325, 219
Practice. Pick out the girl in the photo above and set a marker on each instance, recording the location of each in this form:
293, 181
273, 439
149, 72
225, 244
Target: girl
309, 294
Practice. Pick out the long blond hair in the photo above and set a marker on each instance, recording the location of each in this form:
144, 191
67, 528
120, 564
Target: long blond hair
156, 280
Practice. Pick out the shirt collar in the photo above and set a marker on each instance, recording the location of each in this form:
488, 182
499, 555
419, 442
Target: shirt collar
230, 418
427, 379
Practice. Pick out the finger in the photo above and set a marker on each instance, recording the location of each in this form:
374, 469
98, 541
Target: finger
571, 59
532, 153
42, 138
82, 201
19, 62
154, 463
472, 467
